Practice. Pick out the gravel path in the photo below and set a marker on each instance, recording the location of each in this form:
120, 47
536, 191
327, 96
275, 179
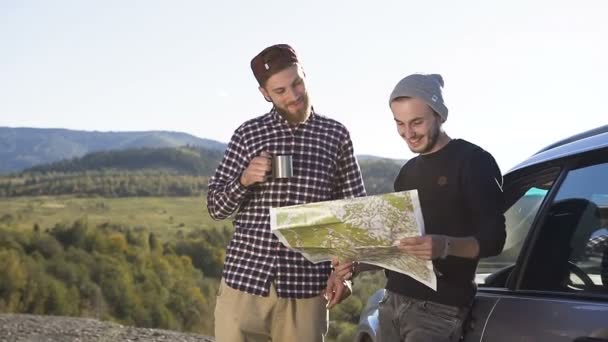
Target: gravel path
32, 328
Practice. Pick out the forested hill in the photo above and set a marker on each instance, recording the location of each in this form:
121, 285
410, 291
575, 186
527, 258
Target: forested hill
179, 171
379, 174
22, 148
181, 160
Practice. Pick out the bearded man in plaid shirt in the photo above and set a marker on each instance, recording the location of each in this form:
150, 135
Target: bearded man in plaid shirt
269, 292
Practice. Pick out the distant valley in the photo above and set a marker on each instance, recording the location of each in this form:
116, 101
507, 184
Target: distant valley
114, 226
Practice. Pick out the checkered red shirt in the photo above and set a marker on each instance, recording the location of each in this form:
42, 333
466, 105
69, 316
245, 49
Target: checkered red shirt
324, 168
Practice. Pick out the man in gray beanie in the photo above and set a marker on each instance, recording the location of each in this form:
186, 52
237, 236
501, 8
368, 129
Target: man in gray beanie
460, 190
425, 87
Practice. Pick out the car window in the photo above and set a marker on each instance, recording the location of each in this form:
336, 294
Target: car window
524, 197
571, 251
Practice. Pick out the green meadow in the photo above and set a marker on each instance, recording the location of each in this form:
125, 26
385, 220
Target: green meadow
162, 215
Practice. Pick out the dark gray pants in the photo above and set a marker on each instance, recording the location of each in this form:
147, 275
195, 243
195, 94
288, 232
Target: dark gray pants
404, 319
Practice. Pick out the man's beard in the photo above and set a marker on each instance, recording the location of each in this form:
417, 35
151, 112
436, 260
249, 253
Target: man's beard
432, 136
299, 115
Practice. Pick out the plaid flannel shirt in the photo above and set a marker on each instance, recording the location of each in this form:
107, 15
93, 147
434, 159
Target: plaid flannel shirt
324, 167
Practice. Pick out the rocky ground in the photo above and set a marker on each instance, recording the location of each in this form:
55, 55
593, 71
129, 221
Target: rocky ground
31, 328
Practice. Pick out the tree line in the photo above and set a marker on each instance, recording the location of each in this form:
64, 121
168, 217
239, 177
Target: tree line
105, 183
131, 276
189, 160
113, 273
72, 178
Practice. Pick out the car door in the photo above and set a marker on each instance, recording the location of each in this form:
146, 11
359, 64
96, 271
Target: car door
558, 289
525, 193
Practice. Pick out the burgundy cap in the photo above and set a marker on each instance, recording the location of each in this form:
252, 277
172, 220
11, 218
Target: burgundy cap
272, 60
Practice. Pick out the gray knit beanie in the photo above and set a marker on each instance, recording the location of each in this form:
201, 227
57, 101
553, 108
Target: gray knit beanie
426, 87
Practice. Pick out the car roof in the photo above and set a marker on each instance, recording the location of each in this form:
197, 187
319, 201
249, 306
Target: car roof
594, 139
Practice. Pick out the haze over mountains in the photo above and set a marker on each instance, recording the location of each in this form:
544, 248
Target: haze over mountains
22, 148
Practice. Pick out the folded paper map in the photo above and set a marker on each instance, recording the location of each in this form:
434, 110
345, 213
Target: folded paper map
364, 229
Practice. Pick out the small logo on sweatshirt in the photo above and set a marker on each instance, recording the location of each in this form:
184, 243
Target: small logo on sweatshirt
442, 180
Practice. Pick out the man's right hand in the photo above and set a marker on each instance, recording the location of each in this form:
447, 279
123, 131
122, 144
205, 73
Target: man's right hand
257, 169
337, 290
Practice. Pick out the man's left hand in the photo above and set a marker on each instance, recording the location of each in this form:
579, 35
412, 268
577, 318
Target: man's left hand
426, 247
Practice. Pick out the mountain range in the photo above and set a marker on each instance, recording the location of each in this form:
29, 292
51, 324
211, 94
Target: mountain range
22, 148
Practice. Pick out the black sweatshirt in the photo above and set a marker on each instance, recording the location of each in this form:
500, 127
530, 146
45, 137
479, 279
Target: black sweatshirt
460, 192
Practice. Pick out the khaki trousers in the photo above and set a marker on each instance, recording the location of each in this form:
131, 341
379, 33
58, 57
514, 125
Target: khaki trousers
242, 317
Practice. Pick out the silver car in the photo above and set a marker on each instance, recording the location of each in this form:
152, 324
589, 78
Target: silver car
550, 283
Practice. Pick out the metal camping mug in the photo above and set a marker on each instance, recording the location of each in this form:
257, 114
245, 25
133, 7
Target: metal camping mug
282, 166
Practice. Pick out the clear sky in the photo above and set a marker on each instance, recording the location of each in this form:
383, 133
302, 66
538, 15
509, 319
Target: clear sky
518, 74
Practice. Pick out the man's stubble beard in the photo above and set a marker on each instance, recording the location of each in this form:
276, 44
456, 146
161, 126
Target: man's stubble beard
432, 137
300, 115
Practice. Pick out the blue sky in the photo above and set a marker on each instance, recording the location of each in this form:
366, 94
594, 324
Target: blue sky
518, 74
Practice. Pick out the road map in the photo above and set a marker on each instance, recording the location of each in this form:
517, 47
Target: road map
364, 229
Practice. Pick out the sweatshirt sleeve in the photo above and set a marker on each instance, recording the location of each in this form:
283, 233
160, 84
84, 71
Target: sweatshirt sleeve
484, 196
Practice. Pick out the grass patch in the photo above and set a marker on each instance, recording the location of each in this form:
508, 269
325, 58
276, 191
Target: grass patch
162, 215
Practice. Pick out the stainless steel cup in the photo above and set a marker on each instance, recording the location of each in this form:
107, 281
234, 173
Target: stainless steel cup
282, 166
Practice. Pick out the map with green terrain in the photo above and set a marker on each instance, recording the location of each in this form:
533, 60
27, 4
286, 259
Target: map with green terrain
364, 229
